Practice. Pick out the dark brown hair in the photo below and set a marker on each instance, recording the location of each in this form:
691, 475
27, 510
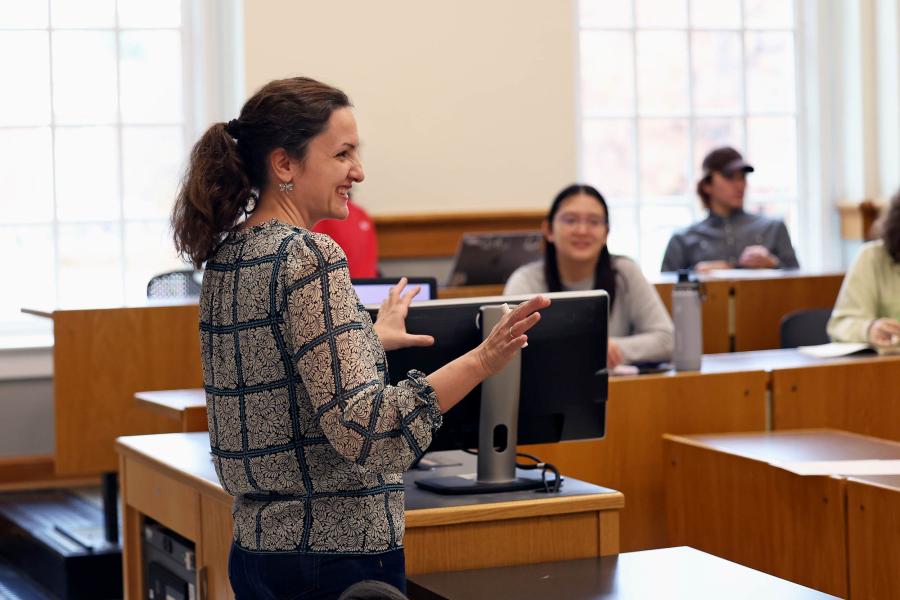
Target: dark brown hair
604, 274
228, 164
890, 229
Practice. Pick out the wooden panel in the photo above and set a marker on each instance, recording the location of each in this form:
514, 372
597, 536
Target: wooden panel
101, 358
470, 291
858, 395
163, 498
716, 332
15, 469
639, 411
857, 219
132, 571
754, 514
501, 543
760, 304
438, 235
873, 536
215, 544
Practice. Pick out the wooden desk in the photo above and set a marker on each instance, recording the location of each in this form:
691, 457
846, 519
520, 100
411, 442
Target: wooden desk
639, 411
857, 394
873, 535
760, 304
187, 407
673, 573
101, 358
736, 496
171, 479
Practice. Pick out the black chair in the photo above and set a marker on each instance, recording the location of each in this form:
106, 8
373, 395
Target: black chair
805, 327
175, 284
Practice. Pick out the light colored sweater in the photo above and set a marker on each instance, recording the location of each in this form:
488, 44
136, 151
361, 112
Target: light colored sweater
638, 321
871, 290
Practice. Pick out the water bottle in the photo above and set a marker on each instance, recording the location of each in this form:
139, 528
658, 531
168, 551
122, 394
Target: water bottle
686, 313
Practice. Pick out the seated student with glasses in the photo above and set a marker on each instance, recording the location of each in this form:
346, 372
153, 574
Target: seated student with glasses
576, 258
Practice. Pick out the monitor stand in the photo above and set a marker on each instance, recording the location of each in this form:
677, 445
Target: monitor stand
497, 432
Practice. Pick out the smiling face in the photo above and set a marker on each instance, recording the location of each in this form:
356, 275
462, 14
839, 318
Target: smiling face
323, 179
579, 229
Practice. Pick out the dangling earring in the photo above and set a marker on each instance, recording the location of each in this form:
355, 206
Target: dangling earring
286, 186
251, 204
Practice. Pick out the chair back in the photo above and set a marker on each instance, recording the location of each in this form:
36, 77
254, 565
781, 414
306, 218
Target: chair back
805, 327
175, 284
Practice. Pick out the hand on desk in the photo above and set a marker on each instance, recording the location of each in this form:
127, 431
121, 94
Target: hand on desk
884, 333
712, 265
757, 257
614, 356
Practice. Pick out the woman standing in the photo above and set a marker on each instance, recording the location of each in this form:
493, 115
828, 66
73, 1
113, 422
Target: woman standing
576, 258
305, 431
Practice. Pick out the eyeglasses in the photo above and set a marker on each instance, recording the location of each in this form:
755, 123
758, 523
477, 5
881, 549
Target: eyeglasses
570, 220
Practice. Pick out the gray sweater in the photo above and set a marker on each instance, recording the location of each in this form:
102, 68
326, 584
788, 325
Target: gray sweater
638, 322
305, 431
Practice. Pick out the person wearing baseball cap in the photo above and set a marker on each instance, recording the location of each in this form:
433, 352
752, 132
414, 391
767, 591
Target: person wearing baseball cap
729, 237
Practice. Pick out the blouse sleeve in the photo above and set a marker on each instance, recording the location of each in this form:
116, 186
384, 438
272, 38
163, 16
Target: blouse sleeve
381, 428
857, 302
652, 332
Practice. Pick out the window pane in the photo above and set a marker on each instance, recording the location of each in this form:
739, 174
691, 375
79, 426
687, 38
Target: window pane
28, 75
607, 73
152, 163
658, 223
721, 14
15, 14
83, 13
714, 133
25, 170
664, 152
770, 71
717, 72
624, 233
661, 13
151, 77
140, 13
769, 13
149, 250
662, 65
90, 265
84, 77
605, 13
87, 183
772, 149
608, 156
28, 283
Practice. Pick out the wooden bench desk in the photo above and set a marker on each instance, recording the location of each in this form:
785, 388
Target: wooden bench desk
187, 407
170, 478
873, 536
741, 497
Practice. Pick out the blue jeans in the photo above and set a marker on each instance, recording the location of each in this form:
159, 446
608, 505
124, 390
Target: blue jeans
268, 576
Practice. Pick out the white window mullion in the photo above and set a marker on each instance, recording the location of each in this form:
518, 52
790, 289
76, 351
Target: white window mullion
636, 127
54, 225
692, 173
121, 156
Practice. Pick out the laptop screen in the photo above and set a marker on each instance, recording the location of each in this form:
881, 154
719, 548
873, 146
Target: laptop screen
374, 291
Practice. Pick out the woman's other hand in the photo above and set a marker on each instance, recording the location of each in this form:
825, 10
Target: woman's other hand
884, 332
508, 335
391, 322
614, 356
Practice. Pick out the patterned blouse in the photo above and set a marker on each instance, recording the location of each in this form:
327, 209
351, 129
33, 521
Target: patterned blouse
305, 431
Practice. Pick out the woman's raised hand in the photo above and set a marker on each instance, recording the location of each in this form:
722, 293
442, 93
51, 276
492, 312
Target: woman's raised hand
509, 335
390, 325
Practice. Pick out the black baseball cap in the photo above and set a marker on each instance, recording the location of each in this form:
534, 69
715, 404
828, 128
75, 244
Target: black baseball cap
725, 160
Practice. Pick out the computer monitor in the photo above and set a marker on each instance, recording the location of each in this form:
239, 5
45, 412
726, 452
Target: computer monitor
373, 290
561, 380
490, 258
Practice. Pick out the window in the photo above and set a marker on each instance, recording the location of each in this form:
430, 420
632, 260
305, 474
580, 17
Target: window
94, 131
662, 82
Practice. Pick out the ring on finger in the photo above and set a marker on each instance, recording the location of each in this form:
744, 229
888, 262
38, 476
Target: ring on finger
511, 336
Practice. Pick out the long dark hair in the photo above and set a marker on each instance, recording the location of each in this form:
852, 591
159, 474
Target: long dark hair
890, 232
604, 274
228, 165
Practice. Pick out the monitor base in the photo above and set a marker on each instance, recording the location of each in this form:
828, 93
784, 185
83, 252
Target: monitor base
458, 486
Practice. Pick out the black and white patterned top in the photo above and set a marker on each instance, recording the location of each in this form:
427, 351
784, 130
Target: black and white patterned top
305, 431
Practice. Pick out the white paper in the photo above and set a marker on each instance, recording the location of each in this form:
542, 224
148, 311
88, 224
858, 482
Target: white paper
833, 349
842, 467
744, 273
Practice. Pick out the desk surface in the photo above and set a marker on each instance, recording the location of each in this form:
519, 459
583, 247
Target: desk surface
187, 457
672, 573
795, 446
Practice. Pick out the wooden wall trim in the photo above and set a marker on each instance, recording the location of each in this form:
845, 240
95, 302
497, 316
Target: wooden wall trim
437, 235
857, 219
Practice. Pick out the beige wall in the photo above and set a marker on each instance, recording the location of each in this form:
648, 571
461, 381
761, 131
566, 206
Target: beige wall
462, 105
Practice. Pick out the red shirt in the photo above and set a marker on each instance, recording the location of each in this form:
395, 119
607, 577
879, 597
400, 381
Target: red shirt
356, 235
